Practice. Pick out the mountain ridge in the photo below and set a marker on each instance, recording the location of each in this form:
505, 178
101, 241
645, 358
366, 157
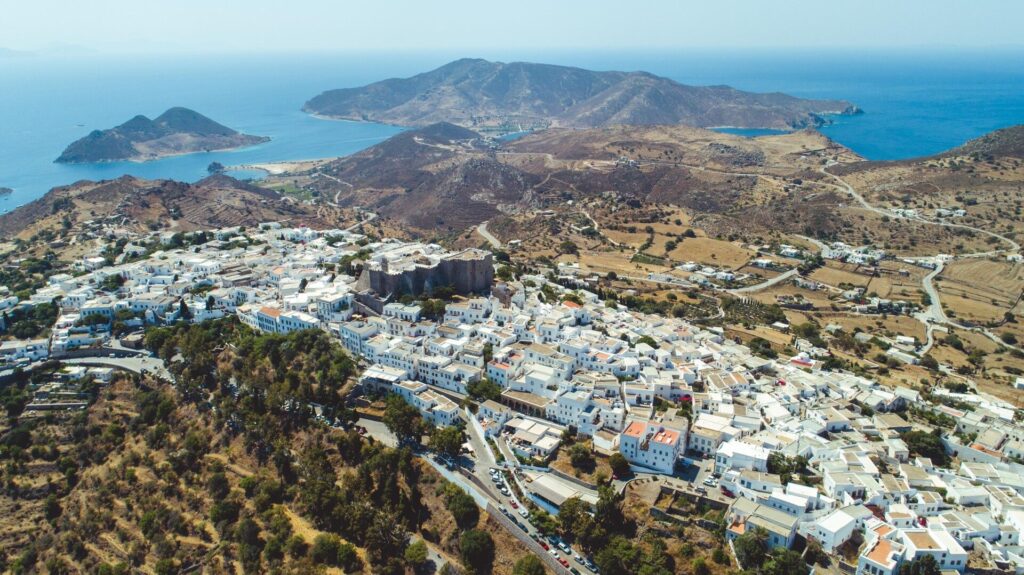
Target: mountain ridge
484, 95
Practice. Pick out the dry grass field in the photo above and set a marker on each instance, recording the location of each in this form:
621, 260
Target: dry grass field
981, 290
712, 252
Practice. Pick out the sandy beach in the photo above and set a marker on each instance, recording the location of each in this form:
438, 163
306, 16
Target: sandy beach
278, 168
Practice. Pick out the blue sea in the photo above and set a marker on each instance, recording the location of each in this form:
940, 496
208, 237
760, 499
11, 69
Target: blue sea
915, 103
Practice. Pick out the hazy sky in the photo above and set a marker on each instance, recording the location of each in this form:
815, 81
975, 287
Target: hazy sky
142, 26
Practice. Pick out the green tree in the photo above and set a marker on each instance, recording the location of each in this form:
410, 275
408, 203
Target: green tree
926, 445
484, 389
296, 546
568, 247
720, 556
619, 464
447, 440
929, 362
815, 555
165, 566
416, 554
112, 283
581, 457
619, 557
402, 419
51, 507
648, 340
923, 565
752, 548
784, 562
461, 505
477, 550
543, 521
432, 308
183, 311
325, 549
348, 558
608, 510
573, 515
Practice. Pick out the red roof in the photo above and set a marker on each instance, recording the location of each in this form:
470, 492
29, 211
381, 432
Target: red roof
666, 437
635, 429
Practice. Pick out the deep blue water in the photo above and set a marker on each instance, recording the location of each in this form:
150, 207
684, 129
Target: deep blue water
915, 103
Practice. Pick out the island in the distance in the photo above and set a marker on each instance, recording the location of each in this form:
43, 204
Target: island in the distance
176, 131
520, 96
5, 191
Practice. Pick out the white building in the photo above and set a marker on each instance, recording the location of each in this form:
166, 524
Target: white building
651, 445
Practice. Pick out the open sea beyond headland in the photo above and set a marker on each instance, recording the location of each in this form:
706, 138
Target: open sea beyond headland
915, 104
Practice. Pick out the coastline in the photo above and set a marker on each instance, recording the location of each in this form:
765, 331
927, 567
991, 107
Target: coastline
280, 167
145, 159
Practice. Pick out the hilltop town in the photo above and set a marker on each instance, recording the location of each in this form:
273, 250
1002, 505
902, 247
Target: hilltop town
563, 401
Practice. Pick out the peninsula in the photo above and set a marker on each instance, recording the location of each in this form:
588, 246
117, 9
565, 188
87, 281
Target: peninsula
176, 131
518, 96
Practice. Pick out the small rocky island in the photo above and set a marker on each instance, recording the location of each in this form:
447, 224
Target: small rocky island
5, 191
176, 131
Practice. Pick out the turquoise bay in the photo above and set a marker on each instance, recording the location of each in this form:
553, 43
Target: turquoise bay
915, 104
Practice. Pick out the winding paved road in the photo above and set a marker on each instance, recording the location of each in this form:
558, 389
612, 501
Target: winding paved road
934, 315
482, 230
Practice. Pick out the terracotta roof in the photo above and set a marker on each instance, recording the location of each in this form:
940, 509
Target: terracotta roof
271, 311
881, 551
738, 528
984, 449
666, 436
882, 530
635, 429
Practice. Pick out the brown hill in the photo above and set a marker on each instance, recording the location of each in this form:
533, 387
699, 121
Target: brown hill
442, 179
1007, 142
441, 176
513, 96
217, 201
